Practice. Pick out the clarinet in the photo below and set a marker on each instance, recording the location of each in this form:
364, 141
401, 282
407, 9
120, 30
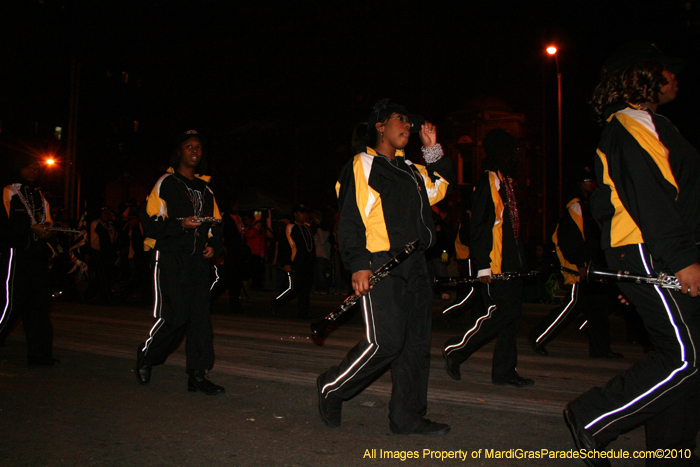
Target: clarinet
506, 276
61, 229
319, 328
666, 281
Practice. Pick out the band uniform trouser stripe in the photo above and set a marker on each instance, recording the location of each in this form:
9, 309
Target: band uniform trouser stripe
501, 319
181, 305
371, 349
472, 332
9, 283
397, 314
573, 298
156, 305
461, 302
656, 389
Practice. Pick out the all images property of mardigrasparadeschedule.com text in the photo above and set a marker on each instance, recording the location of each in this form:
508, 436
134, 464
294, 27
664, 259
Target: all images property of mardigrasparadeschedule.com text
466, 455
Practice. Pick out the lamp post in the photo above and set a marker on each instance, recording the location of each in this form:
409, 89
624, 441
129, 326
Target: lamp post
71, 189
551, 50
544, 158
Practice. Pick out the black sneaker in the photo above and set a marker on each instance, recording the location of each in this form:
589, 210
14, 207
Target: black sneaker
539, 349
452, 367
582, 439
516, 381
142, 369
198, 382
329, 407
609, 354
43, 362
424, 428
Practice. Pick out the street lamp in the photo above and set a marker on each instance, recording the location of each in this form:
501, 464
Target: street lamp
551, 50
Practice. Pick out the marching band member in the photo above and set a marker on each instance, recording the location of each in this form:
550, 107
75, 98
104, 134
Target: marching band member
496, 247
183, 246
385, 204
649, 207
577, 242
28, 281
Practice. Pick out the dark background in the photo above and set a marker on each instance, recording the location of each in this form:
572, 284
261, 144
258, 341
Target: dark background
278, 87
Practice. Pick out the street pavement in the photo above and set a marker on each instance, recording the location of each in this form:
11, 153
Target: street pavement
90, 410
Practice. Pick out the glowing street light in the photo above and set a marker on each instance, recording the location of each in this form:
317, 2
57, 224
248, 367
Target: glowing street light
50, 161
551, 50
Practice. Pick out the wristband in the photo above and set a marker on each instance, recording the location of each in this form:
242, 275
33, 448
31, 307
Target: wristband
432, 154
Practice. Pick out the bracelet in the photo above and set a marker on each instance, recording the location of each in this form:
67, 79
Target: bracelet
432, 154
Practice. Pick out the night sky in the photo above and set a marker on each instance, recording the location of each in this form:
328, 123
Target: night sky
278, 87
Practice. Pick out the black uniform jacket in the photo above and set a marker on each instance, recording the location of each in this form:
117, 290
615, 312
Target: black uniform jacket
494, 245
385, 205
577, 239
299, 251
648, 192
16, 224
175, 197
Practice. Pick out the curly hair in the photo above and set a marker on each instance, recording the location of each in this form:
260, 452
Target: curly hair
637, 83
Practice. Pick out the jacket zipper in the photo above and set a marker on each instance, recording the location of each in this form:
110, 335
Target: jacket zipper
413, 177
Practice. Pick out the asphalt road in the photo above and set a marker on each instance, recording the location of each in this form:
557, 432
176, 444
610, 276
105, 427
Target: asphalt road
90, 411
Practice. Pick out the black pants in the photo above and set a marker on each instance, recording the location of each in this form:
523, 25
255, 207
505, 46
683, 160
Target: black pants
500, 319
182, 300
101, 264
28, 297
228, 277
398, 317
302, 283
662, 389
465, 292
594, 302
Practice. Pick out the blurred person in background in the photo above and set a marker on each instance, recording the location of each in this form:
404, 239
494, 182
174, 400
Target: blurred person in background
297, 258
25, 226
496, 248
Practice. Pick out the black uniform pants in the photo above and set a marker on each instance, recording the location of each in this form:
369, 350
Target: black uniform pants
28, 295
398, 317
228, 277
590, 299
500, 319
101, 275
465, 292
182, 300
302, 282
662, 389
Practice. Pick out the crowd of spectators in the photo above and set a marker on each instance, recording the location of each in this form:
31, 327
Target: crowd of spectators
105, 261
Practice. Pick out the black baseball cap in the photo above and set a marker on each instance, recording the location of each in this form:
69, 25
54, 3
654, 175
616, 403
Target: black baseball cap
581, 174
498, 142
635, 51
384, 108
185, 135
22, 160
300, 208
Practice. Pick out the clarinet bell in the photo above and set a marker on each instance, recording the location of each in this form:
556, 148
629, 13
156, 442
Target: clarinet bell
319, 328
